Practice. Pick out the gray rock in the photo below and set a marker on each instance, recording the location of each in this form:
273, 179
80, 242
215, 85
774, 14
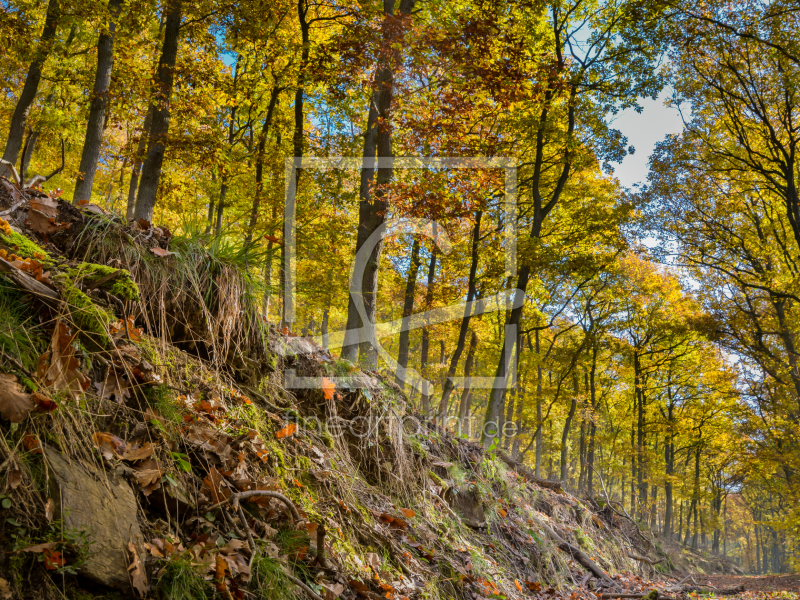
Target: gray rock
86, 499
467, 505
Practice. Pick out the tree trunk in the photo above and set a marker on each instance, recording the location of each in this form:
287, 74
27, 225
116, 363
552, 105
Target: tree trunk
298, 137
538, 467
260, 151
372, 211
137, 163
592, 424
567, 424
16, 130
466, 395
408, 308
462, 332
425, 346
99, 106
151, 169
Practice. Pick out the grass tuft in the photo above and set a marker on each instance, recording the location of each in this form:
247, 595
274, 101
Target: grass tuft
269, 581
180, 581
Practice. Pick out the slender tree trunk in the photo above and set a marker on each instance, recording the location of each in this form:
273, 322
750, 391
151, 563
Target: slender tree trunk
373, 207
466, 395
408, 308
99, 107
137, 164
16, 130
260, 154
151, 169
592, 424
423, 356
567, 424
462, 332
538, 465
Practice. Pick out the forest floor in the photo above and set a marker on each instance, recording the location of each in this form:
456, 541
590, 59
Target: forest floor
756, 583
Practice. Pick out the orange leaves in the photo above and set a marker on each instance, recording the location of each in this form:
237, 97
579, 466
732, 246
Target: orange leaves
328, 388
52, 557
121, 329
286, 431
408, 513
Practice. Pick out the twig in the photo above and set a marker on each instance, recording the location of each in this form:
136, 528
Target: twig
320, 558
16, 364
10, 167
447, 508
577, 554
644, 559
306, 589
235, 498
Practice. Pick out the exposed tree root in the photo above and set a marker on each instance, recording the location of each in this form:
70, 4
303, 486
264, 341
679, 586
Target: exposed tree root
528, 474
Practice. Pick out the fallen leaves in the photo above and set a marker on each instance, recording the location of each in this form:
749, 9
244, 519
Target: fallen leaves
14, 478
14, 403
115, 385
58, 367
328, 388
286, 431
160, 252
137, 572
125, 328
42, 217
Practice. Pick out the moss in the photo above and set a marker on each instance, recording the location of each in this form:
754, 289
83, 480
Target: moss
122, 287
22, 246
90, 319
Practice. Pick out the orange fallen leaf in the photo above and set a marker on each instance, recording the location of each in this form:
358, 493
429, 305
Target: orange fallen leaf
328, 388
286, 431
408, 513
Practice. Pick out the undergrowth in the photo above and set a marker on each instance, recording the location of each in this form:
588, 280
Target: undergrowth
179, 580
269, 581
20, 337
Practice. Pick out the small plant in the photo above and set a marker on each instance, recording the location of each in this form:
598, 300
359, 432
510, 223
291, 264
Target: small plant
292, 541
269, 581
180, 581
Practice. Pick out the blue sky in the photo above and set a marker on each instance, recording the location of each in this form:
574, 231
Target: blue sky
643, 131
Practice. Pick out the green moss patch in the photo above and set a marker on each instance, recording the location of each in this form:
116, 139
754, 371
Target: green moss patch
122, 286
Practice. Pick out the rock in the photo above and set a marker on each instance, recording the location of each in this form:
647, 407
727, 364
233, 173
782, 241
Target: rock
467, 505
106, 509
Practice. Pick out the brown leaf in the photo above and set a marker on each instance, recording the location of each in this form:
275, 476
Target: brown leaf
115, 386
44, 403
5, 586
136, 569
110, 446
409, 514
58, 366
14, 403
146, 451
42, 224
47, 206
214, 482
143, 224
49, 509
160, 252
118, 330
40, 547
14, 478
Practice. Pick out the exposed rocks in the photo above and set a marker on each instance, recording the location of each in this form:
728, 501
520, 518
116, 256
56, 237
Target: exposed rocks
88, 500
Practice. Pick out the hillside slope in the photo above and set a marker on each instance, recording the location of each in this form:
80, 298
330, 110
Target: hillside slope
150, 447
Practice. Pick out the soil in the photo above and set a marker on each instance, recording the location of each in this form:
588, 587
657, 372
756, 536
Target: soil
754, 583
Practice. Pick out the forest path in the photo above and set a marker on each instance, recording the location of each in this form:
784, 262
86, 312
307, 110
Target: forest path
754, 583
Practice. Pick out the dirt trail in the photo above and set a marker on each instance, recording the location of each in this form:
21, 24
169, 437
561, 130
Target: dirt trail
754, 583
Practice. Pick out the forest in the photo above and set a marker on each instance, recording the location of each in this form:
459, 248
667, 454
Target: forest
425, 191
